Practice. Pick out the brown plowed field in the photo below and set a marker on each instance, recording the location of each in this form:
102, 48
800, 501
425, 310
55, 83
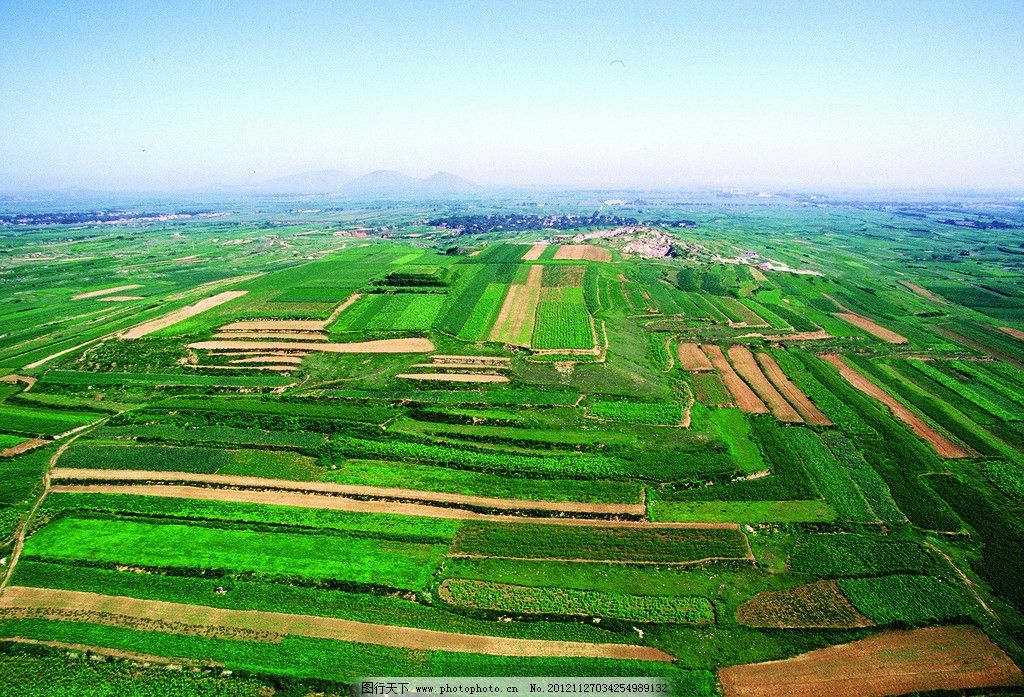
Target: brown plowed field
692, 359
415, 345
815, 605
871, 327
587, 252
801, 336
943, 446
316, 627
105, 291
746, 366
891, 663
484, 360
307, 488
454, 377
242, 367
923, 292
171, 318
1015, 333
534, 252
791, 392
745, 398
462, 366
119, 298
514, 324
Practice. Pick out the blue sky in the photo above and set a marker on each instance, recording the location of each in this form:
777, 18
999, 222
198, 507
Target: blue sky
810, 94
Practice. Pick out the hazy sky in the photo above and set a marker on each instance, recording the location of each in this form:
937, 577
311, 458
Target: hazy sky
142, 94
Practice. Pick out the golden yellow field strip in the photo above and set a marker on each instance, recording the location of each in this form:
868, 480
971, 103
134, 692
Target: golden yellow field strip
105, 291
745, 398
171, 318
296, 336
119, 298
586, 252
692, 359
514, 324
313, 626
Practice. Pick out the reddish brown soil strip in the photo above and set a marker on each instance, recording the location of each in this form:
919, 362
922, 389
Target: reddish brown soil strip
319, 627
812, 606
105, 291
746, 366
1015, 333
745, 398
534, 252
282, 368
692, 359
891, 663
987, 350
120, 298
300, 499
416, 345
288, 336
274, 325
21, 448
923, 292
514, 324
11, 379
791, 392
171, 318
943, 446
586, 252
454, 377
283, 485
872, 327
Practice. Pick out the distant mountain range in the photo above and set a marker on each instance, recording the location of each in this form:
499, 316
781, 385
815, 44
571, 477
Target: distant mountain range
383, 182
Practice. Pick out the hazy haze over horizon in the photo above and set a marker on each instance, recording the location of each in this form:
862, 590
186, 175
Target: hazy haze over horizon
652, 94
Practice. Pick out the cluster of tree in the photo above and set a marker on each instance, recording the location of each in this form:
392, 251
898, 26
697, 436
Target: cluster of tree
693, 280
979, 224
84, 217
492, 222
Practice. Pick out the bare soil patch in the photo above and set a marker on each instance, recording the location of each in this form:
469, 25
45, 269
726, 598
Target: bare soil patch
514, 324
745, 398
411, 345
692, 359
1015, 333
105, 291
119, 298
22, 448
796, 397
454, 377
171, 318
280, 368
586, 252
801, 336
924, 292
534, 252
746, 366
483, 360
318, 627
277, 487
872, 327
943, 446
815, 605
891, 663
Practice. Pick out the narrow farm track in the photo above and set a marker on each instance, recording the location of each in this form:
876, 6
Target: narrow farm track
943, 446
311, 626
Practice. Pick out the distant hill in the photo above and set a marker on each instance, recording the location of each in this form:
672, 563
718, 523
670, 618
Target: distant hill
326, 181
385, 182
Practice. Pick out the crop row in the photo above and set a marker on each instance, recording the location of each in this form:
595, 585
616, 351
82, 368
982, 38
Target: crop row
658, 413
